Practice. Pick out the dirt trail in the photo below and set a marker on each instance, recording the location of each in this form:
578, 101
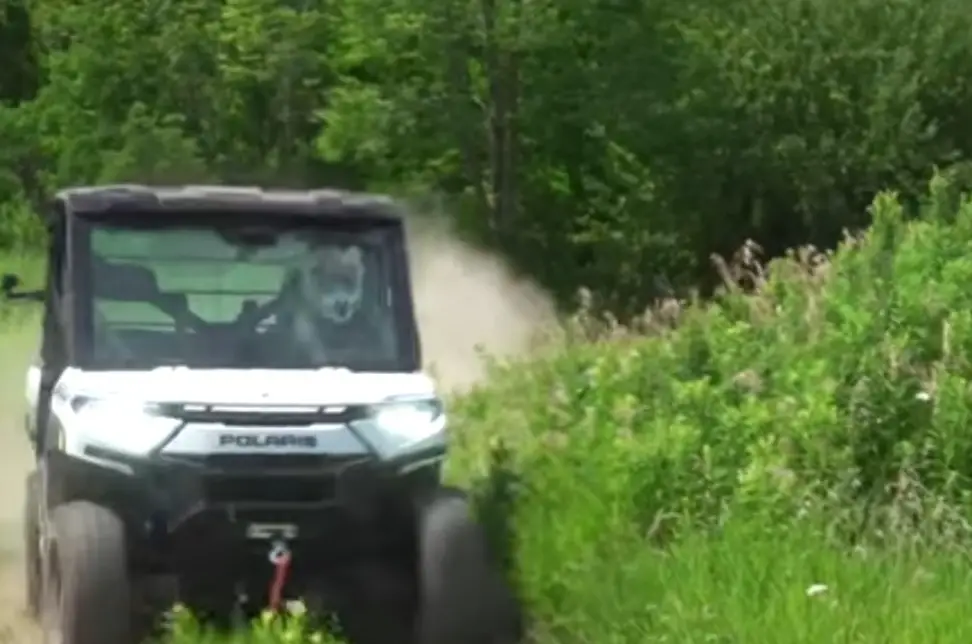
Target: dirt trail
465, 299
15, 347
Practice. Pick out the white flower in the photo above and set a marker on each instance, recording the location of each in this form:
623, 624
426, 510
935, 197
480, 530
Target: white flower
923, 396
816, 589
296, 607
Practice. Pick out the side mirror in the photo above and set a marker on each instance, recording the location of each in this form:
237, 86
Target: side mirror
9, 284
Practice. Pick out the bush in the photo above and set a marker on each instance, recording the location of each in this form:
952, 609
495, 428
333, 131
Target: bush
19, 227
812, 432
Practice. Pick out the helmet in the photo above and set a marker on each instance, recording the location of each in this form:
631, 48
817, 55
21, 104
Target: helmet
332, 282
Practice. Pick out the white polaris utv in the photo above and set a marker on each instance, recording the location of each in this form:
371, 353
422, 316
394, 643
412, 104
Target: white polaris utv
228, 410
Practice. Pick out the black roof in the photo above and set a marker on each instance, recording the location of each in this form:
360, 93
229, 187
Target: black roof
139, 199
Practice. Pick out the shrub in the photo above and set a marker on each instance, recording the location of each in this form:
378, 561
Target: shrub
20, 229
827, 410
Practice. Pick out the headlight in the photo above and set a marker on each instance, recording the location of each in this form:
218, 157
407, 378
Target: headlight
400, 425
120, 426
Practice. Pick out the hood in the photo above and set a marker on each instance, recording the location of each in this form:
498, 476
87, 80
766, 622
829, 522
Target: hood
242, 387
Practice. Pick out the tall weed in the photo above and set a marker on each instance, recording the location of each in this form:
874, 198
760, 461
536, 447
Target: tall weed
818, 410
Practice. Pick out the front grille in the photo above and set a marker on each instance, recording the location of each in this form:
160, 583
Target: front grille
265, 415
223, 489
271, 463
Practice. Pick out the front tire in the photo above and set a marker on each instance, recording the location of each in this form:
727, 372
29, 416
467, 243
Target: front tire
463, 597
87, 592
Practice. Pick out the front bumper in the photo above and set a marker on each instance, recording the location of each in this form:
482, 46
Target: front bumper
185, 513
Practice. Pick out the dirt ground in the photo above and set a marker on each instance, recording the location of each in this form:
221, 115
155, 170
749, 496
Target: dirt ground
466, 301
15, 346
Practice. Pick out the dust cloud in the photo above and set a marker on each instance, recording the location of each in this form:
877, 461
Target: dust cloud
468, 302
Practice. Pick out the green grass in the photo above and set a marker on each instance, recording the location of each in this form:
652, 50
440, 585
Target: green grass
790, 587
290, 628
784, 467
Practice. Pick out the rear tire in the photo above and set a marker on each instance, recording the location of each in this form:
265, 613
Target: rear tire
463, 597
87, 592
32, 558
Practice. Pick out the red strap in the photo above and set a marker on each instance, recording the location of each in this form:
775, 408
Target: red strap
281, 568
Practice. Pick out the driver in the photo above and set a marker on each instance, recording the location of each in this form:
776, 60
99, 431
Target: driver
324, 308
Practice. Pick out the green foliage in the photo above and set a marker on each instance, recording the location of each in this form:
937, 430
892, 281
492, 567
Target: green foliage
290, 628
21, 228
595, 144
824, 415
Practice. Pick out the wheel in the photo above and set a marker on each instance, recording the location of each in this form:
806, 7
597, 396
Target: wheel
32, 559
463, 598
86, 586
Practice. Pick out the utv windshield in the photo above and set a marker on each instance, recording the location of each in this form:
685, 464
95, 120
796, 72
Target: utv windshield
243, 296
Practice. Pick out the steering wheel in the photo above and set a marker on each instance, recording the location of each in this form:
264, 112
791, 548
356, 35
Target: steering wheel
236, 336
